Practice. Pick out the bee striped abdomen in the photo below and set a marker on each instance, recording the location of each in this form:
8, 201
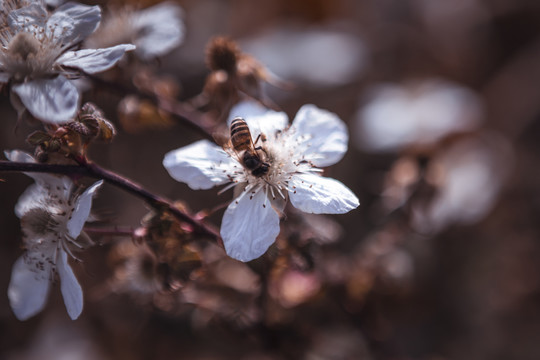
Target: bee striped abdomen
240, 135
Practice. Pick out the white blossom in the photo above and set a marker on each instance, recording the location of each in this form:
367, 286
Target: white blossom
250, 224
52, 217
316, 55
37, 60
469, 176
155, 30
417, 113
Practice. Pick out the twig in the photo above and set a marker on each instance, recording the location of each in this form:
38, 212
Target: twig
93, 170
114, 231
174, 108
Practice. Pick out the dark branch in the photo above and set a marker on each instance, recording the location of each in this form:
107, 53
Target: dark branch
95, 171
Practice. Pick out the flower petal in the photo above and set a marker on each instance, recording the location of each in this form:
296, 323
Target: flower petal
51, 100
93, 61
71, 290
201, 165
321, 195
327, 135
160, 29
28, 288
250, 225
73, 22
259, 119
30, 18
31, 198
81, 212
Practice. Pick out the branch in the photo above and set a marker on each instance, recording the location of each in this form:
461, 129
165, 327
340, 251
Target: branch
93, 170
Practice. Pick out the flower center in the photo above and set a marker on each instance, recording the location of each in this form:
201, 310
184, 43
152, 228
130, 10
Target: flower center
23, 45
28, 54
39, 222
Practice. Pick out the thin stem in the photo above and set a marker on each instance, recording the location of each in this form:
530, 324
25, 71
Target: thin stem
93, 170
114, 231
174, 108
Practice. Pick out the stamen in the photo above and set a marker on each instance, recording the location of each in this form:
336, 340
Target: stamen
226, 188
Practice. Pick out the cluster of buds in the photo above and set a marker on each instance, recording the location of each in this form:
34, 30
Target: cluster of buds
73, 137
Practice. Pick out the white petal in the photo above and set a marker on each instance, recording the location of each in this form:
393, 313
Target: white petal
73, 22
19, 156
201, 165
248, 227
30, 18
93, 61
321, 195
83, 205
32, 197
28, 288
51, 100
259, 119
160, 29
71, 290
326, 135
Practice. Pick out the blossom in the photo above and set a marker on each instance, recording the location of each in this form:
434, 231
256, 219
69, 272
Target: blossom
316, 138
469, 176
316, 55
35, 56
155, 30
52, 217
418, 113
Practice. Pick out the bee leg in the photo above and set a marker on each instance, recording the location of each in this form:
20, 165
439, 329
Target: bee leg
261, 137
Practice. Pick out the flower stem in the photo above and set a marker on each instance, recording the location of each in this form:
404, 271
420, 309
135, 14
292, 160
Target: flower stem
93, 170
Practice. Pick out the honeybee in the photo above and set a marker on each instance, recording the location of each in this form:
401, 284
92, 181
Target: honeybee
241, 142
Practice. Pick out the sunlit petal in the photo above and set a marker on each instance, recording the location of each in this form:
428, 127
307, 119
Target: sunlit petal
321, 195
323, 134
250, 225
201, 165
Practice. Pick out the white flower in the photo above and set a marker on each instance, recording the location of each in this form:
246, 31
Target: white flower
469, 175
52, 217
419, 113
316, 55
155, 30
250, 225
35, 55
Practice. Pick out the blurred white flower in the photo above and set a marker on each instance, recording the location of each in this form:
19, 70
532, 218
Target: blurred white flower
468, 177
416, 114
316, 138
52, 217
35, 60
155, 31
317, 56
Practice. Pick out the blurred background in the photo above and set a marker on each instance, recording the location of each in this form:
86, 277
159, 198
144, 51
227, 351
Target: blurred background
440, 261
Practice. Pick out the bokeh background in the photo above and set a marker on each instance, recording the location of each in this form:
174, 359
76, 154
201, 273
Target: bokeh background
440, 261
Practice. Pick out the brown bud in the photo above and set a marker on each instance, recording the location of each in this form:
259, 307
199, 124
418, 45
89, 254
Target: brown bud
37, 138
222, 54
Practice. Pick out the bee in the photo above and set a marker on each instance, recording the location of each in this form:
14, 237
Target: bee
241, 142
